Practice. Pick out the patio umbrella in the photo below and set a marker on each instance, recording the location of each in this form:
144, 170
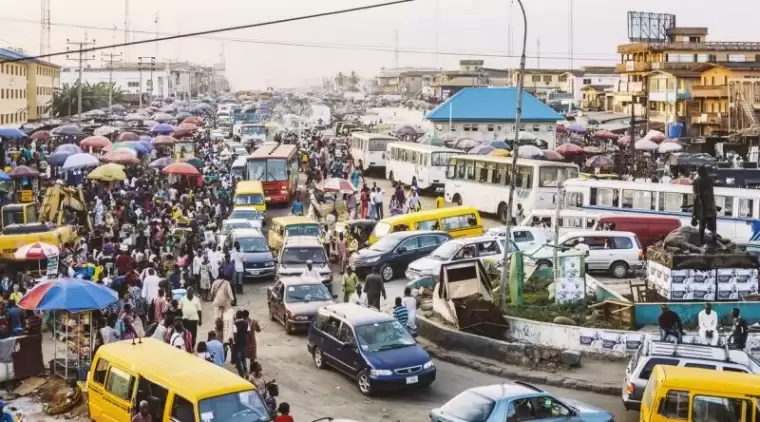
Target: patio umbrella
180, 169
104, 130
481, 150
81, 160
448, 137
645, 145
11, 133
162, 128
592, 150
95, 142
59, 157
42, 135
598, 161
406, 131
624, 140
68, 294
23, 171
575, 128
183, 133
110, 172
196, 110
466, 143
552, 155
195, 162
70, 130
195, 120
523, 136
137, 146
162, 117
36, 251
432, 140
166, 109
338, 185
561, 129
121, 146
74, 149
529, 151
163, 140
128, 136
655, 136
188, 126
569, 149
498, 144
669, 146
161, 163
204, 106
120, 157
606, 134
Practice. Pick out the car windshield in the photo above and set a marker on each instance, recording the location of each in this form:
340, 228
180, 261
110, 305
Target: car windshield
381, 229
228, 227
252, 199
381, 336
307, 293
292, 256
468, 406
246, 214
252, 244
445, 252
385, 244
303, 230
245, 406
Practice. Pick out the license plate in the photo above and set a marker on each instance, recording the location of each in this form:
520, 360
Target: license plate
412, 380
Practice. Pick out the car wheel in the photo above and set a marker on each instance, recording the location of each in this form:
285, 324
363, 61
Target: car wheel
319, 359
619, 269
543, 265
364, 383
386, 272
288, 327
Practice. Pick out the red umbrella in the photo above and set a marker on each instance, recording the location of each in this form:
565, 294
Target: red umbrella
552, 155
336, 184
188, 126
181, 169
599, 161
96, 142
120, 157
42, 135
569, 149
624, 140
561, 129
23, 171
682, 181
193, 120
592, 150
128, 136
163, 140
606, 134
183, 133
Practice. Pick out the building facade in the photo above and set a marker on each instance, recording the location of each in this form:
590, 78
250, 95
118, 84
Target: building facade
26, 88
599, 77
669, 95
471, 73
722, 92
548, 84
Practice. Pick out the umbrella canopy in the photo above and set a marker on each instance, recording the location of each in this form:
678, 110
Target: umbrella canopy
682, 181
68, 294
466, 143
118, 107
110, 172
23, 171
188, 126
122, 146
669, 146
575, 128
529, 151
181, 169
36, 251
645, 145
128, 136
42, 135
161, 163
523, 136
162, 117
569, 149
406, 131
592, 150
196, 120
135, 117
655, 136
598, 161
606, 134
70, 148
162, 128
120, 157
500, 153
138, 146
552, 155
481, 150
70, 130
59, 157
338, 185
4, 177
95, 142
163, 140
448, 137
498, 144
81, 160
182, 115
183, 133
195, 162
432, 140
11, 133
624, 140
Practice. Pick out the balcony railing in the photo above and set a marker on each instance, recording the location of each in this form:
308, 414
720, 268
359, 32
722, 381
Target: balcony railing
709, 119
633, 67
709, 91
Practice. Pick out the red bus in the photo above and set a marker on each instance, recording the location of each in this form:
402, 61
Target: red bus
276, 167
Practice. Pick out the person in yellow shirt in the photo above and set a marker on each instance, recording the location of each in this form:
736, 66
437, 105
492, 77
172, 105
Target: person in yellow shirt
439, 201
16, 295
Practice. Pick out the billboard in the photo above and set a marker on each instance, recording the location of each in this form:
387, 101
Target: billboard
649, 27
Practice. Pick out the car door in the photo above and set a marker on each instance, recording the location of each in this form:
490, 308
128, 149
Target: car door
274, 299
549, 409
406, 252
626, 249
348, 351
524, 239
599, 252
331, 345
488, 250
428, 243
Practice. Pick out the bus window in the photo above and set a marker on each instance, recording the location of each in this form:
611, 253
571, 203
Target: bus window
469, 170
726, 205
451, 172
482, 171
498, 174
675, 405
746, 208
441, 159
460, 170
524, 177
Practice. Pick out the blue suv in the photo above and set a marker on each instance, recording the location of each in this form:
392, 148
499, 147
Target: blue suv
369, 346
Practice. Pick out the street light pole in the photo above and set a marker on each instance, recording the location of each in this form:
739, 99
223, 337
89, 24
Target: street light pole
513, 172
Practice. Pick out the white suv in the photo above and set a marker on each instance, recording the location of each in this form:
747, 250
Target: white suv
610, 251
487, 248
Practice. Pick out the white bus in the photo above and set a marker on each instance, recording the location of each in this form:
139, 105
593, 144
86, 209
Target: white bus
738, 218
369, 149
418, 165
482, 181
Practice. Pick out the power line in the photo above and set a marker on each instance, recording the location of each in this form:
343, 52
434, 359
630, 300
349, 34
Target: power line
218, 30
373, 48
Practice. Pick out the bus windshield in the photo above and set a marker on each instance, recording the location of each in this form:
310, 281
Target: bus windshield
549, 176
253, 130
379, 144
268, 170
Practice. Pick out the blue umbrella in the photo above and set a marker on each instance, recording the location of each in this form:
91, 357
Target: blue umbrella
11, 133
4, 176
73, 149
196, 110
146, 138
481, 150
137, 146
59, 157
147, 144
162, 128
81, 160
68, 294
498, 145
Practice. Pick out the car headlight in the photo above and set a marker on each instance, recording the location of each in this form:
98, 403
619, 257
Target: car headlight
300, 318
370, 260
326, 277
428, 364
269, 264
380, 372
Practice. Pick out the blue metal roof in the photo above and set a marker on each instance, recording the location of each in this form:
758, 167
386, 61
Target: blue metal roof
15, 55
492, 105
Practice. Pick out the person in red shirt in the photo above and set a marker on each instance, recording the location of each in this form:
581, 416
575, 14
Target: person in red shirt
123, 262
284, 410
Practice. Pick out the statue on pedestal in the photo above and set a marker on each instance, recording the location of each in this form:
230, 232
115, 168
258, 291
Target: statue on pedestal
704, 215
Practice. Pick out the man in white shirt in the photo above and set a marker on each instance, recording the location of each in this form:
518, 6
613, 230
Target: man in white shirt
708, 325
197, 262
237, 259
410, 303
358, 297
150, 286
191, 309
310, 272
379, 203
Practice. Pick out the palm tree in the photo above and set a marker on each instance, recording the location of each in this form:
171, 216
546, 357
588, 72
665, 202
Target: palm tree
340, 80
94, 96
353, 82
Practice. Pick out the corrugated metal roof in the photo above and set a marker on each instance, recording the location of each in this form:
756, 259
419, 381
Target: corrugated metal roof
492, 104
6, 53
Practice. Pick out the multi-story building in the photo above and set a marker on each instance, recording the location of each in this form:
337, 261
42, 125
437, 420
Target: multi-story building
723, 93
471, 73
26, 88
548, 84
682, 50
591, 86
669, 95
406, 81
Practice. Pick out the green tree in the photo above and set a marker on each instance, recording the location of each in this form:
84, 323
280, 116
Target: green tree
353, 82
340, 80
94, 96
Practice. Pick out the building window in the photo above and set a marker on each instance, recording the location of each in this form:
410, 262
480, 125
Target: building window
562, 79
466, 128
489, 128
133, 84
536, 78
547, 79
587, 81
474, 127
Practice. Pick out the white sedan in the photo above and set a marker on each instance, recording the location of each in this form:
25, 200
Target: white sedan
235, 223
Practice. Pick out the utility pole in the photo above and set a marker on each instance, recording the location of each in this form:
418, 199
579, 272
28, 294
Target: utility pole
110, 59
45, 27
145, 63
81, 58
126, 23
538, 53
396, 50
155, 22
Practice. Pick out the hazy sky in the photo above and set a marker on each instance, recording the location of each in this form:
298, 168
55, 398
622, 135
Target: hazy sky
461, 29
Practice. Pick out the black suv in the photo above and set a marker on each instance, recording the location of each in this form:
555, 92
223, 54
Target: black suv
393, 253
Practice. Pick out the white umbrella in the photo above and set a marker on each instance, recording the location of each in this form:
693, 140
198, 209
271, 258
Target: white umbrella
667, 147
645, 145
523, 136
81, 160
104, 131
36, 251
529, 151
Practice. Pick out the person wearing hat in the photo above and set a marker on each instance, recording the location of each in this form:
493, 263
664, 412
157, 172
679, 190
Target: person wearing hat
310, 272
